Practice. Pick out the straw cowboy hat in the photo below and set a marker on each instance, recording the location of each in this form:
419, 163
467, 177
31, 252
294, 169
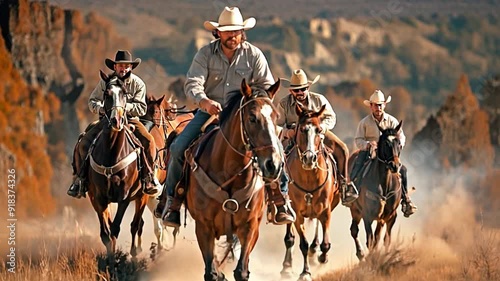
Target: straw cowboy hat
229, 20
378, 98
298, 80
122, 57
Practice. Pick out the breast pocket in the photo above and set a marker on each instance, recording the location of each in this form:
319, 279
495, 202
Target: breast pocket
244, 72
215, 75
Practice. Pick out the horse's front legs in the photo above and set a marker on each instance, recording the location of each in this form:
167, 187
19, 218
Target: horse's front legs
325, 245
390, 224
304, 247
248, 236
137, 225
378, 230
370, 241
287, 271
315, 243
158, 226
356, 218
206, 242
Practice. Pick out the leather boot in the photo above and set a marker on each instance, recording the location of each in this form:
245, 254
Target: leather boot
172, 217
74, 189
349, 193
407, 207
152, 185
284, 212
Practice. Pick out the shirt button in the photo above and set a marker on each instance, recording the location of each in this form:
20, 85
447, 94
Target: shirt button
227, 84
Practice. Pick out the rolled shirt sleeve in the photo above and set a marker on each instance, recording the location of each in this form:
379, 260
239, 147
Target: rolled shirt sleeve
96, 97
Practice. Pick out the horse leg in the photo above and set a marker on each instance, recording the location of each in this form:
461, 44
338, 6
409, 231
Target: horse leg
115, 224
378, 230
315, 243
102, 210
325, 245
248, 236
369, 233
158, 229
136, 227
304, 246
287, 271
356, 218
206, 237
390, 224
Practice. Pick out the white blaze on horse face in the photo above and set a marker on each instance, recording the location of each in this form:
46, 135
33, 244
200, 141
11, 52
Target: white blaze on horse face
311, 137
267, 111
391, 138
117, 111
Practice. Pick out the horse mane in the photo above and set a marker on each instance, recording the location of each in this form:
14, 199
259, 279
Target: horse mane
231, 105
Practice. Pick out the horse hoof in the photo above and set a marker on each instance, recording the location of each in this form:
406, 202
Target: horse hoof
323, 258
286, 273
360, 255
305, 277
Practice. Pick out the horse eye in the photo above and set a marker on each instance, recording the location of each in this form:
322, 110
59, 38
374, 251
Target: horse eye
253, 118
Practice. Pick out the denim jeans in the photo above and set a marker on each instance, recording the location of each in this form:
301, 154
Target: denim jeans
179, 145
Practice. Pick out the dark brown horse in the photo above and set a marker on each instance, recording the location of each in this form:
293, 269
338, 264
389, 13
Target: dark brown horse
164, 116
225, 193
313, 190
114, 174
379, 191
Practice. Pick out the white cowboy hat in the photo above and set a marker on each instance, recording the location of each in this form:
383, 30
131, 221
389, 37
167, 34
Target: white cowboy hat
298, 80
122, 56
229, 20
378, 98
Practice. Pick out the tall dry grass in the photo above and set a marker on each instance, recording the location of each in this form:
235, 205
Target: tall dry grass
70, 259
432, 259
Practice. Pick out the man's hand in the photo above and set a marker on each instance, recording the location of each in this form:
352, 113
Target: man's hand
371, 144
101, 110
210, 106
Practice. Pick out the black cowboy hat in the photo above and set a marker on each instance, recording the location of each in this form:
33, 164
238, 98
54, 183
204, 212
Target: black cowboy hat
122, 57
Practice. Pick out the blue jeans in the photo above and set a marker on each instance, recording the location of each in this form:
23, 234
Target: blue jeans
177, 148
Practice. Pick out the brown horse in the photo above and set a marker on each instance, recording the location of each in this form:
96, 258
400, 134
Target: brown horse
225, 193
379, 191
114, 176
313, 190
165, 119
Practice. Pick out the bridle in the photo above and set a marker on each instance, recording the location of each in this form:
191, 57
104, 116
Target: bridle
315, 153
245, 138
116, 83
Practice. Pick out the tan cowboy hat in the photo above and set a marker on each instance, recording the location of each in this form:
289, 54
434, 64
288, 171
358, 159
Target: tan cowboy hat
122, 57
230, 19
378, 98
298, 80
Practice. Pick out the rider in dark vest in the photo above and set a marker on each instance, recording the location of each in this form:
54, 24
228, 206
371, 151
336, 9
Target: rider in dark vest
366, 139
299, 93
135, 108
217, 70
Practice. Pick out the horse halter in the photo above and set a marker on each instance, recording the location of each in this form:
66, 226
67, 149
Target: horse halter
310, 148
246, 140
392, 145
115, 109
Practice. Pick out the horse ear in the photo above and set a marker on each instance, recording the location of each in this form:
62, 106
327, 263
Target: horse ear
160, 100
245, 89
399, 126
104, 76
273, 89
321, 110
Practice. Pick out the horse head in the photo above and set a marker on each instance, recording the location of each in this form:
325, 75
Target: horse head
170, 107
308, 136
389, 147
115, 99
258, 130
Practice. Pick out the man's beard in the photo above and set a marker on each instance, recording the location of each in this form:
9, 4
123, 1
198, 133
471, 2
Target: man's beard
231, 43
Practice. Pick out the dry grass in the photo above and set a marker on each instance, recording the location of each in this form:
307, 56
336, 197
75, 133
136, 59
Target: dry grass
430, 260
70, 259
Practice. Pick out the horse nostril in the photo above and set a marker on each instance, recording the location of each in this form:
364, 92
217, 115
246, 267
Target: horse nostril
315, 158
270, 167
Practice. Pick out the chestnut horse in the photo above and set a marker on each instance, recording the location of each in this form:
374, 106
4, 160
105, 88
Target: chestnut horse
379, 191
114, 174
225, 188
313, 190
164, 119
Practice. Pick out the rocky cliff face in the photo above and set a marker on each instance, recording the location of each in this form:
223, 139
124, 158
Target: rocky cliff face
458, 135
51, 59
59, 51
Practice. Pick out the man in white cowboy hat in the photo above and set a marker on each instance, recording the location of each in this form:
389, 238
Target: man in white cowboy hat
216, 71
135, 107
298, 86
367, 136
